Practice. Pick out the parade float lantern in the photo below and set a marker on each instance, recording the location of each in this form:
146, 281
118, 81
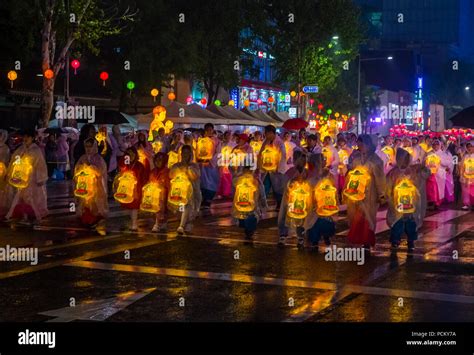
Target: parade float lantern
86, 182
159, 115
299, 197
357, 181
244, 197
157, 146
12, 75
173, 158
154, 92
48, 74
325, 195
171, 96
126, 186
104, 76
256, 146
75, 64
433, 163
205, 147
468, 168
180, 191
405, 194
21, 172
152, 195
270, 159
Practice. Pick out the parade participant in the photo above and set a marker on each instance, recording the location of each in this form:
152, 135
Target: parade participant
467, 177
364, 191
118, 147
438, 163
207, 148
158, 189
457, 155
325, 201
242, 154
103, 143
289, 146
272, 163
352, 141
27, 176
344, 153
145, 152
176, 141
297, 200
51, 154
249, 199
160, 142
128, 184
63, 155
225, 180
418, 154
331, 157
90, 180
302, 138
87, 131
185, 195
256, 142
313, 146
4, 159
449, 184
406, 204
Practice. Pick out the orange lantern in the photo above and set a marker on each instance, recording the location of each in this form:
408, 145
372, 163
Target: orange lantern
433, 162
154, 93
171, 96
357, 181
125, 186
205, 148
325, 195
12, 75
247, 103
21, 172
48, 74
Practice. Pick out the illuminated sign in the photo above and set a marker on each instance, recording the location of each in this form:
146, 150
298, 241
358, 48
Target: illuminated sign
310, 89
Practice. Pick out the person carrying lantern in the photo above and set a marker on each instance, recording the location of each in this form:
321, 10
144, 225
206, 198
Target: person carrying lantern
249, 199
272, 163
289, 147
128, 184
90, 180
297, 199
4, 159
331, 156
364, 191
256, 143
467, 177
206, 151
344, 153
438, 163
145, 152
184, 194
406, 203
27, 177
225, 179
325, 202
155, 192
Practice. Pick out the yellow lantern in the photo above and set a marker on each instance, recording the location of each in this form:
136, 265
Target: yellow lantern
425, 147
86, 182
152, 195
327, 154
226, 157
468, 168
180, 191
21, 172
173, 158
293, 93
433, 163
3, 171
171, 96
270, 159
299, 199
303, 143
125, 187
231, 103
325, 195
247, 103
154, 93
405, 194
244, 197
256, 146
343, 159
142, 158
389, 152
12, 75
157, 146
357, 181
101, 137
205, 148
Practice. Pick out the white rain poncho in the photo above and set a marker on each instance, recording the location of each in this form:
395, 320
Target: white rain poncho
34, 194
209, 169
416, 175
192, 172
446, 162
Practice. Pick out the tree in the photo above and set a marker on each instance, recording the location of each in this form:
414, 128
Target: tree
84, 22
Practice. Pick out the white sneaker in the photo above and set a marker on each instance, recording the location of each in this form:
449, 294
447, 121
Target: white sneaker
155, 228
180, 230
465, 208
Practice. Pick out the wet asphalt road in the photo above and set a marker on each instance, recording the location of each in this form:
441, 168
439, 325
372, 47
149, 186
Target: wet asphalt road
215, 275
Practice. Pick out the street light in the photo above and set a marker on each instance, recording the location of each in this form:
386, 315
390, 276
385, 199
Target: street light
389, 57
335, 37
467, 88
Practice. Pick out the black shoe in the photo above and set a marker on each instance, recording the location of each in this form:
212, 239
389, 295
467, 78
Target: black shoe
411, 246
248, 235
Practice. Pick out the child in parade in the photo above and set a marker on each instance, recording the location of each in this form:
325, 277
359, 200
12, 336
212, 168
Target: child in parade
90, 177
27, 177
249, 200
406, 205
160, 175
185, 195
207, 148
128, 184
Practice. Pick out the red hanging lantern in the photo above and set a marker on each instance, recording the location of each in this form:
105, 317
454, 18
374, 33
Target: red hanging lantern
75, 64
271, 99
203, 101
311, 102
104, 76
320, 107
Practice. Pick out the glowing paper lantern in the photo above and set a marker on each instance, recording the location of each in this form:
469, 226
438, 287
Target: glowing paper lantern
231, 103
357, 181
154, 93
259, 101
245, 195
104, 76
152, 196
86, 182
468, 167
171, 96
336, 114
311, 102
320, 107
157, 146
217, 102
12, 75
270, 158
203, 101
130, 86
21, 172
256, 146
405, 194
293, 94
48, 74
75, 64
3, 171
299, 199
325, 195
433, 162
271, 99
125, 187
247, 103
173, 158
343, 159
180, 191
189, 100
329, 111
205, 149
